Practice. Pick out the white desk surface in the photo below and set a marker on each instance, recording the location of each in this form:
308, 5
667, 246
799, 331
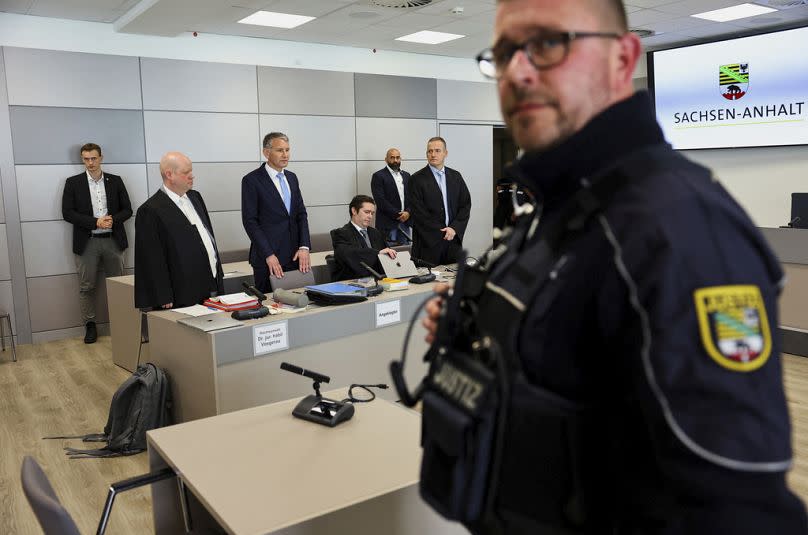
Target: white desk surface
259, 470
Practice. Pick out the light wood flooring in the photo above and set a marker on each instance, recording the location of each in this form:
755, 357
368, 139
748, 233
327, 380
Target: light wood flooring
64, 388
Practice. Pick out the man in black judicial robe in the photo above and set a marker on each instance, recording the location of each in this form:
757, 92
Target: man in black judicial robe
176, 260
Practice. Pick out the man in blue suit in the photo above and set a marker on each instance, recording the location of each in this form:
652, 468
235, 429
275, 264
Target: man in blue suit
274, 215
389, 186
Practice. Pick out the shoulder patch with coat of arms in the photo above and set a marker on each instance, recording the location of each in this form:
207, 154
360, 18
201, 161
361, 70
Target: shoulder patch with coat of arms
733, 325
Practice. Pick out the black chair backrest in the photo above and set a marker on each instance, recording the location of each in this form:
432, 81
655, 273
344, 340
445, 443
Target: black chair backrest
52, 516
331, 262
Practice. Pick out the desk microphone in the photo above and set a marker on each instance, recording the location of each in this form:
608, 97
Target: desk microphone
290, 298
252, 290
376, 290
315, 408
793, 221
423, 279
250, 313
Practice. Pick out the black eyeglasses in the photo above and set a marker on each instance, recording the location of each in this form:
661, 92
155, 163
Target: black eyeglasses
545, 50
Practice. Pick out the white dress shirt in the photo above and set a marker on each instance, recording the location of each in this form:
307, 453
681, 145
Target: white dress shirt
399, 184
98, 196
187, 208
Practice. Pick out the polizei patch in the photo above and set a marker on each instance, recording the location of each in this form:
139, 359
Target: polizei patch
734, 327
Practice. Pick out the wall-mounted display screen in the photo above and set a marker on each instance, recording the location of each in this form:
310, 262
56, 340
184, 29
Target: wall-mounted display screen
745, 92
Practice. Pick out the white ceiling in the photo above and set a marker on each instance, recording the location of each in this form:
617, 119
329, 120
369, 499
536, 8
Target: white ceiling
358, 23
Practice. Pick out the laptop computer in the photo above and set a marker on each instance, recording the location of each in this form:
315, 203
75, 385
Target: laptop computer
399, 267
211, 322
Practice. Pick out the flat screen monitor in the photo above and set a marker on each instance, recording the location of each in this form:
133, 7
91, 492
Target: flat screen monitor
743, 92
799, 210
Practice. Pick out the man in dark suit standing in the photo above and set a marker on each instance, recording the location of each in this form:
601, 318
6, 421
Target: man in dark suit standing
440, 204
274, 215
96, 204
357, 241
176, 259
389, 186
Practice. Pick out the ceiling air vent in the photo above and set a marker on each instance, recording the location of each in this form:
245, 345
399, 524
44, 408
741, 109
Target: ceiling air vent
401, 3
642, 32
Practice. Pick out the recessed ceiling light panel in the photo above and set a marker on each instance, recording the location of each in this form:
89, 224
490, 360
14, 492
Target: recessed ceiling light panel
402, 4
429, 38
741, 11
276, 20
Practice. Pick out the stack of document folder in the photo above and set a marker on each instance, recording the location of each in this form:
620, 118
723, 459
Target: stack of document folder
231, 302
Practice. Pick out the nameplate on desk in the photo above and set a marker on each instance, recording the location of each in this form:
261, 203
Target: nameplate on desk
270, 337
388, 313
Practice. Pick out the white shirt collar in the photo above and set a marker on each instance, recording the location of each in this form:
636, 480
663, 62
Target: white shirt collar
435, 170
91, 179
173, 196
357, 227
272, 172
394, 173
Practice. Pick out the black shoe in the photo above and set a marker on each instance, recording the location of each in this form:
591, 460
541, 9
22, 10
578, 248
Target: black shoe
91, 335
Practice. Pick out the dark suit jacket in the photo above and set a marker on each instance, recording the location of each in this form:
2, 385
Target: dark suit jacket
77, 208
428, 214
271, 229
388, 202
171, 262
350, 249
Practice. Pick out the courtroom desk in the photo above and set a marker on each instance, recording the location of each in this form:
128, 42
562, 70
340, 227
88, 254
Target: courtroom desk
261, 470
124, 318
791, 247
219, 371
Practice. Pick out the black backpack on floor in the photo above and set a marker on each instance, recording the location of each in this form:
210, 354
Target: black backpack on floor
141, 403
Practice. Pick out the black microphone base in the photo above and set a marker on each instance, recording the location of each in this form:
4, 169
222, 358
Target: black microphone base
250, 313
374, 291
323, 411
422, 279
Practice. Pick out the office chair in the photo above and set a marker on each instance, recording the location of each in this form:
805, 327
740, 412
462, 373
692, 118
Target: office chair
331, 262
49, 511
291, 280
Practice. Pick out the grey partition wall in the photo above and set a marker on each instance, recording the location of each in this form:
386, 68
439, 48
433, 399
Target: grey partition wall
340, 125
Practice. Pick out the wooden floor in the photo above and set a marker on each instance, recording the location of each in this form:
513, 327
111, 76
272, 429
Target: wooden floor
64, 388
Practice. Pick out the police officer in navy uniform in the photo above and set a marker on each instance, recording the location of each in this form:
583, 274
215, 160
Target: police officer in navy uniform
657, 317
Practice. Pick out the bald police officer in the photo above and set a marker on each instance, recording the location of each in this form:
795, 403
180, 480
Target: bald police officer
646, 302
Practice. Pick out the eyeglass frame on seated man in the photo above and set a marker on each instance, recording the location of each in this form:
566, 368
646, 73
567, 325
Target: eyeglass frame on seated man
493, 69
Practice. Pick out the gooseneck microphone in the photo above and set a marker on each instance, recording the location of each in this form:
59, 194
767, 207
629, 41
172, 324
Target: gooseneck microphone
376, 290
320, 378
794, 221
252, 290
426, 277
288, 297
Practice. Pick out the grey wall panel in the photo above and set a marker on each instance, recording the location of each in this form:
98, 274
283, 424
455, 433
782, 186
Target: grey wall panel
39, 190
5, 267
473, 101
324, 218
48, 248
2, 207
54, 303
375, 136
40, 187
325, 183
119, 132
305, 92
204, 137
229, 231
71, 79
198, 86
314, 138
365, 170
395, 96
7, 302
219, 183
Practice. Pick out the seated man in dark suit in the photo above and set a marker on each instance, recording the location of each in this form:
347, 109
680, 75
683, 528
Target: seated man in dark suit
176, 260
358, 242
389, 186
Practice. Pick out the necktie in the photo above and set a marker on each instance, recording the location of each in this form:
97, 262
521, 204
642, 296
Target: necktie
287, 197
364, 233
442, 184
